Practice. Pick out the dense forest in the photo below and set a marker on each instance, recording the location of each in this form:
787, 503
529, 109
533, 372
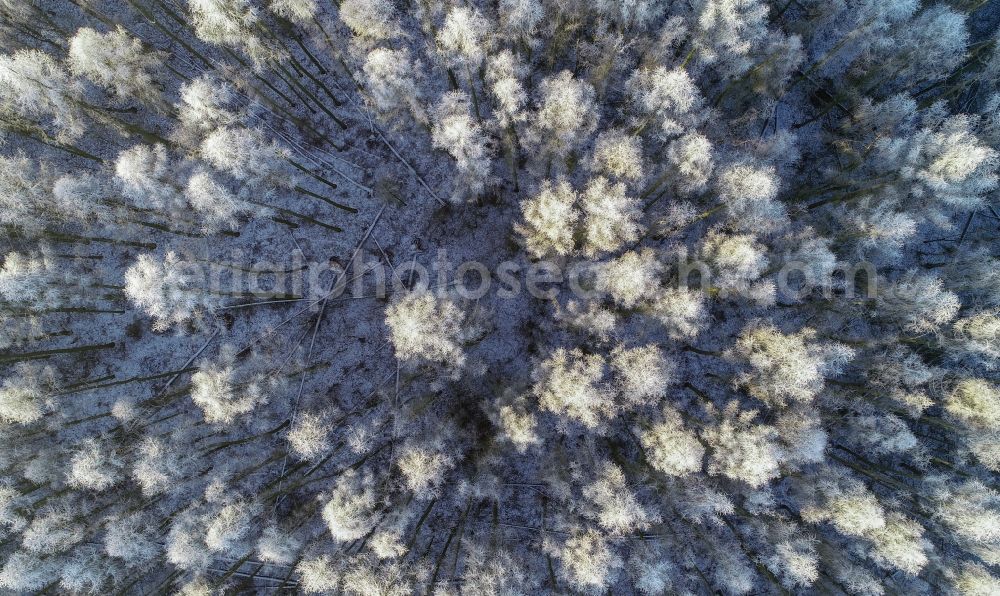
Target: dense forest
453, 297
